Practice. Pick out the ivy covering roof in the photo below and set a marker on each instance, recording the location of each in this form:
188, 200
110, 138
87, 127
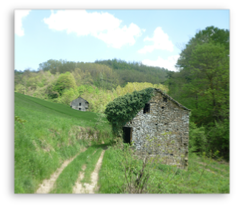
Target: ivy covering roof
125, 108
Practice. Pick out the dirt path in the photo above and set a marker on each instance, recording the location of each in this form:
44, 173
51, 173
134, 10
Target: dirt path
48, 184
86, 187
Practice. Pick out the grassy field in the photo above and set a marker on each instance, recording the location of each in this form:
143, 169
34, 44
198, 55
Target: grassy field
120, 171
47, 134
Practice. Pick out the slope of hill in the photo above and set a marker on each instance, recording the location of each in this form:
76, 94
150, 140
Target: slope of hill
46, 134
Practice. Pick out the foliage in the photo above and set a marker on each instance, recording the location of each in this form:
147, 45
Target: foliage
135, 86
124, 108
65, 81
67, 96
135, 72
218, 136
202, 84
197, 138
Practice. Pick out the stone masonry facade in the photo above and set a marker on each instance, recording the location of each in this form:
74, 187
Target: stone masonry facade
79, 104
161, 128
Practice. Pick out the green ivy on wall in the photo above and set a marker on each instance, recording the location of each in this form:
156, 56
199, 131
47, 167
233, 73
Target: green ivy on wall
125, 108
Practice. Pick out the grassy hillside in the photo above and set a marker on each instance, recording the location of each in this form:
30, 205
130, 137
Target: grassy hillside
122, 173
46, 134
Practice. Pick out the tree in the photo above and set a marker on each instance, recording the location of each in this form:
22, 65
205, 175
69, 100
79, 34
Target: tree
209, 35
202, 85
209, 84
68, 95
65, 81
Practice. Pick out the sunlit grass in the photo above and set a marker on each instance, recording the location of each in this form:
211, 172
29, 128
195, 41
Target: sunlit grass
45, 139
167, 179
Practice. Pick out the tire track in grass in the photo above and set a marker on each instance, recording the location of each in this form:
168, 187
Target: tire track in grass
47, 184
68, 177
92, 187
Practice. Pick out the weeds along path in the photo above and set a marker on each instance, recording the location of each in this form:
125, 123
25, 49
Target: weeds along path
48, 184
92, 187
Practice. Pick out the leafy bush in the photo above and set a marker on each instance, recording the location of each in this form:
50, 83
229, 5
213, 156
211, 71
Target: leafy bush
197, 138
124, 108
218, 136
65, 81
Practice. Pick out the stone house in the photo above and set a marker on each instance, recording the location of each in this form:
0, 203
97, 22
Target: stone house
161, 128
79, 104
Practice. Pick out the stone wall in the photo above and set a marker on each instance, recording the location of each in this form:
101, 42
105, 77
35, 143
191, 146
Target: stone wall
163, 131
79, 104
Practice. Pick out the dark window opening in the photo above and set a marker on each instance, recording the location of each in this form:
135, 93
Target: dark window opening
127, 135
162, 107
171, 154
164, 99
146, 108
79, 104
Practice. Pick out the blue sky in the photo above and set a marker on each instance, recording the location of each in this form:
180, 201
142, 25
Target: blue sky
153, 37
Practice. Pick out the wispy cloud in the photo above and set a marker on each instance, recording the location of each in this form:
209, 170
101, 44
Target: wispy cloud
160, 41
103, 26
19, 15
168, 63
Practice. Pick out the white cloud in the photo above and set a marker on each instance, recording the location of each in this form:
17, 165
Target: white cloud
103, 26
19, 15
160, 41
168, 63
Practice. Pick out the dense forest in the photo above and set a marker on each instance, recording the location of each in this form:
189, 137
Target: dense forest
201, 84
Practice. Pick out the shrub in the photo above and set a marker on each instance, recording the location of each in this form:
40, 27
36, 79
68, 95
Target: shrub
197, 138
218, 136
124, 108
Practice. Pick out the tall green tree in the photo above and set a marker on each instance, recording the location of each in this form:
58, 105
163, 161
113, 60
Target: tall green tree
209, 84
202, 84
65, 81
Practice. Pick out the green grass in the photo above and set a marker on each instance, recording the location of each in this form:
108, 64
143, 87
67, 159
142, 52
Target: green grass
86, 118
46, 139
68, 177
166, 179
46, 134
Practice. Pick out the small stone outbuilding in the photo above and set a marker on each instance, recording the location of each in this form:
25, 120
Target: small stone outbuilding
161, 128
79, 104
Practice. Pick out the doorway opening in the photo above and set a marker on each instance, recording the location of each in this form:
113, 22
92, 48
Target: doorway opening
127, 135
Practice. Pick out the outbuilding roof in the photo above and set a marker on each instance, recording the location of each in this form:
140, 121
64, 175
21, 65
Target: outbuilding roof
170, 98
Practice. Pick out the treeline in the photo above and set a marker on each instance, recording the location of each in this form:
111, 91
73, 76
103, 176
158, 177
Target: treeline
136, 72
202, 85
62, 81
111, 72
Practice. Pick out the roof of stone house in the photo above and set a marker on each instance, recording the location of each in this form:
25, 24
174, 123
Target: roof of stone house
170, 98
81, 98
